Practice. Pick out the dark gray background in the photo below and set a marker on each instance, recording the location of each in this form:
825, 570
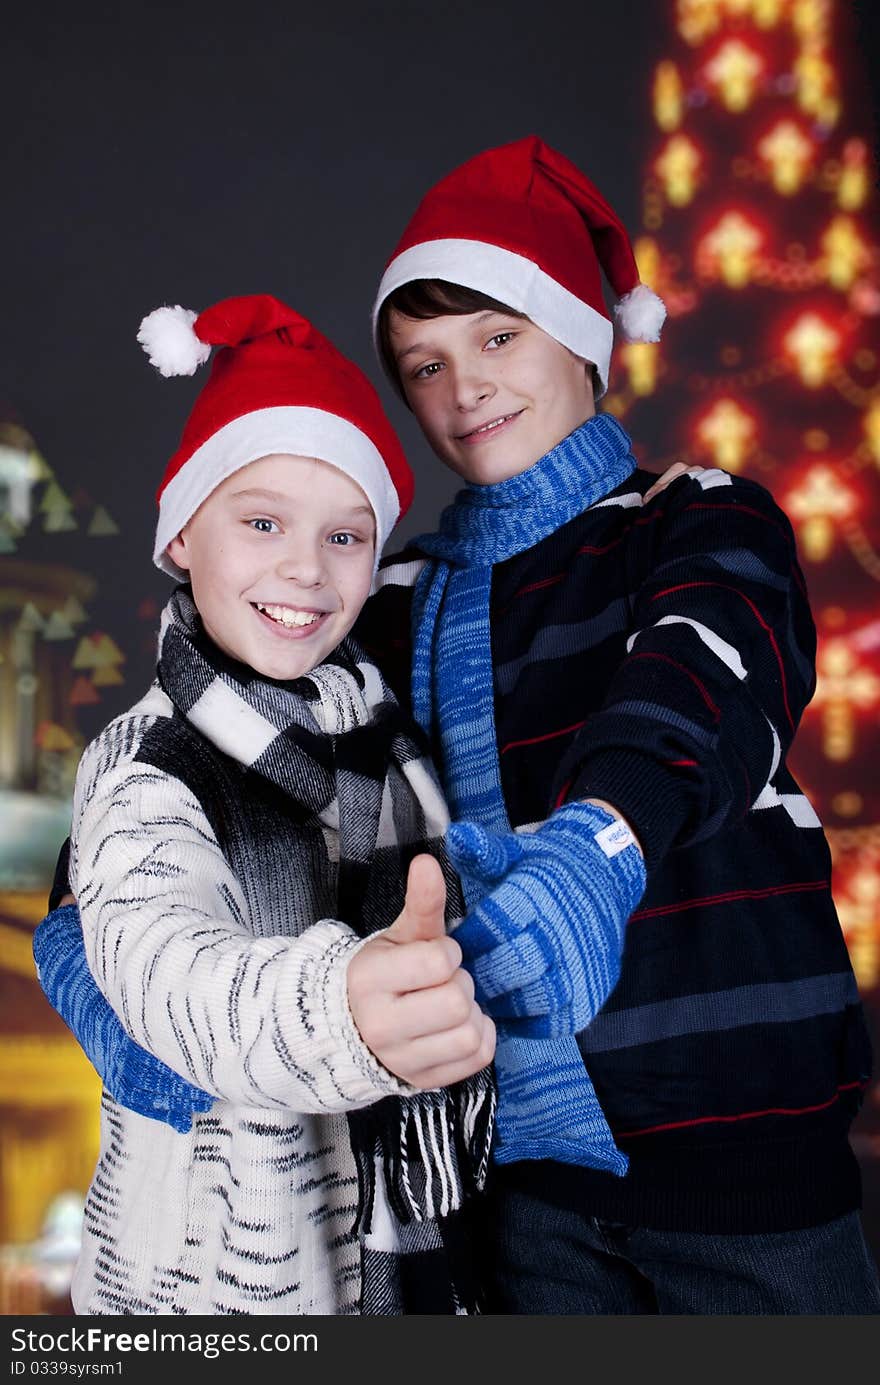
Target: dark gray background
180, 154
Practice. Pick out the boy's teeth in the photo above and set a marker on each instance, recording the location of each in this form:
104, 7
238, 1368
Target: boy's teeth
285, 616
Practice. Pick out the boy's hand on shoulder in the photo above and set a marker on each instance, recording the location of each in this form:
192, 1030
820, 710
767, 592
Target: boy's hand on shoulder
410, 998
671, 474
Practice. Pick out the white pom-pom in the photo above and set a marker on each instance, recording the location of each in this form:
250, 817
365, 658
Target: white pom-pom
168, 338
640, 314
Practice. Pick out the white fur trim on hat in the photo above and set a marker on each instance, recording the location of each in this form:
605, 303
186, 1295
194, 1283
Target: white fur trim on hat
512, 279
167, 336
292, 429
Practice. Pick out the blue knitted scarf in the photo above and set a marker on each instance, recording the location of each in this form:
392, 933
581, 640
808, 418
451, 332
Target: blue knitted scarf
452, 685
452, 681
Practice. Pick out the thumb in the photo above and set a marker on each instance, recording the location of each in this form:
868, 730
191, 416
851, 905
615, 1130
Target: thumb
423, 914
486, 856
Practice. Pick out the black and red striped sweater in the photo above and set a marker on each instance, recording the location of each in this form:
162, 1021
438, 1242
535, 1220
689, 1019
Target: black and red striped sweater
659, 656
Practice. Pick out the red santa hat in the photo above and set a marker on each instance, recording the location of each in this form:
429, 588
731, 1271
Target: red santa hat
277, 385
522, 224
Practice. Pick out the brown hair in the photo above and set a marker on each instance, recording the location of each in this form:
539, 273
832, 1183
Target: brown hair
427, 298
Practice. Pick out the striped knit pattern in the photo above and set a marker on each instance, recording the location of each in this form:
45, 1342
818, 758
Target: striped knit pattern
660, 656
130, 1073
453, 635
316, 1174
252, 1211
545, 942
547, 1106
452, 685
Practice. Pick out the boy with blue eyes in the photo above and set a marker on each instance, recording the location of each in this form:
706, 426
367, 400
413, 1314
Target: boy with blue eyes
610, 679
610, 675
257, 855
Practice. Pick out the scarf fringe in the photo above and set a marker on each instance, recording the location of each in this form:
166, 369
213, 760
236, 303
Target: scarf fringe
435, 1159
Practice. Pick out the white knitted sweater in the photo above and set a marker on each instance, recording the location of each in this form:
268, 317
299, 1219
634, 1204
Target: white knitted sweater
213, 970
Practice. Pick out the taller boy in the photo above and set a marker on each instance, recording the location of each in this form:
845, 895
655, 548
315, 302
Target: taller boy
585, 650
580, 656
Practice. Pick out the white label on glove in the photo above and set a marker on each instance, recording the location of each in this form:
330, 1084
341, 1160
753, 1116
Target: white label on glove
614, 838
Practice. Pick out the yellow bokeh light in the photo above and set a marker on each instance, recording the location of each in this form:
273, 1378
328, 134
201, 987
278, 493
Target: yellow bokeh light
852, 179
648, 260
727, 432
767, 13
677, 167
816, 86
731, 248
788, 153
810, 19
668, 99
816, 505
871, 426
697, 19
843, 687
844, 252
813, 345
734, 73
640, 360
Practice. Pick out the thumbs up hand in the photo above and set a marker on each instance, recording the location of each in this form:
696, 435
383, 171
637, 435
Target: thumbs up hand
410, 998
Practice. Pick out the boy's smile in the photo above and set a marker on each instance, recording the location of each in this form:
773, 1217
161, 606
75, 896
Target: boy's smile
280, 558
491, 392
474, 436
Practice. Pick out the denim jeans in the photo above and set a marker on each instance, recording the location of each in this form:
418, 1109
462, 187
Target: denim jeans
551, 1260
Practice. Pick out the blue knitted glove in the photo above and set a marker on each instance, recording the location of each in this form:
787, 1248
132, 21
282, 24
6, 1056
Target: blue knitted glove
544, 944
132, 1076
544, 947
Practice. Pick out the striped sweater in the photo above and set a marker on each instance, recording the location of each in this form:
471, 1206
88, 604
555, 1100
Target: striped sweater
659, 656
200, 934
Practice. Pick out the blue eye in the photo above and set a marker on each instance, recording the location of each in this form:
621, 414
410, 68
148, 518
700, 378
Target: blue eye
343, 539
264, 526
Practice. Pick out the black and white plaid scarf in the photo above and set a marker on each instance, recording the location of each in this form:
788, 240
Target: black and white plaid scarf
336, 743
